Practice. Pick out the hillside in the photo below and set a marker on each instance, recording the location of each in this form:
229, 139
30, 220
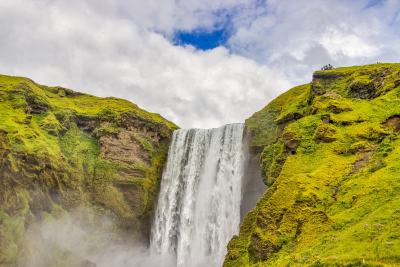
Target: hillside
330, 155
60, 150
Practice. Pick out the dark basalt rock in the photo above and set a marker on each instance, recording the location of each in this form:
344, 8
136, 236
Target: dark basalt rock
326, 118
87, 123
320, 81
396, 83
34, 103
317, 88
291, 142
362, 89
326, 75
290, 117
262, 249
338, 109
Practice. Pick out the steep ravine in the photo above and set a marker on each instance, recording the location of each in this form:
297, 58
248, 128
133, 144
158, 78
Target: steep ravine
61, 150
329, 155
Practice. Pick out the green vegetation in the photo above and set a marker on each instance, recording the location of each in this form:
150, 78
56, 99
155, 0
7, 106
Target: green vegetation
330, 154
60, 150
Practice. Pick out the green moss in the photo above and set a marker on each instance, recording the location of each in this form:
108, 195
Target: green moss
11, 231
362, 88
54, 157
290, 106
146, 145
273, 158
334, 199
325, 133
81, 151
107, 129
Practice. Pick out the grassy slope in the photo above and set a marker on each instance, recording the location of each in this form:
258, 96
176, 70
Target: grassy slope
332, 166
51, 158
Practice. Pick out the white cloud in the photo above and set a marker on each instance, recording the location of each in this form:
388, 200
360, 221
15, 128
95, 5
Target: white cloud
297, 37
77, 47
123, 48
348, 45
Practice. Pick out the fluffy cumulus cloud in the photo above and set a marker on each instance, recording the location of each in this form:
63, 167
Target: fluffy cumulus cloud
126, 49
123, 50
297, 37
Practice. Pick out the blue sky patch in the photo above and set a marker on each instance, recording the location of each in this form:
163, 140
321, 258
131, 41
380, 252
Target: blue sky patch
203, 39
372, 3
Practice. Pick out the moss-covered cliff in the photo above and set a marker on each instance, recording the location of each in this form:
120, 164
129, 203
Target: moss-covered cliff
60, 149
330, 154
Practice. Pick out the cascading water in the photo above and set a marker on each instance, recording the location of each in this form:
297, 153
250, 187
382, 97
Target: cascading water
199, 203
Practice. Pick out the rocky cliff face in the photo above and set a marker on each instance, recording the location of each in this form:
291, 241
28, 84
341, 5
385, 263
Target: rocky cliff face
330, 156
60, 150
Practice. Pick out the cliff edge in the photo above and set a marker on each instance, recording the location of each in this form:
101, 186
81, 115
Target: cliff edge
330, 157
61, 150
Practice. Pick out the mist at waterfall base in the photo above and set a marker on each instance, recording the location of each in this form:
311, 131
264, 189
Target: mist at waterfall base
83, 239
198, 212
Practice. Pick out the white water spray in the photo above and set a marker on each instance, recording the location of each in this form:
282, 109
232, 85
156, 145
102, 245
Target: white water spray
198, 208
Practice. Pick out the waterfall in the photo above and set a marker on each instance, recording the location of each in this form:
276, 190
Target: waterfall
198, 208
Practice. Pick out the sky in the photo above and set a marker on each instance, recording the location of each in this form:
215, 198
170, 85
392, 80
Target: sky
199, 63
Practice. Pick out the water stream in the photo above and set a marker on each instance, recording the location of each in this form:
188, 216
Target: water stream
198, 208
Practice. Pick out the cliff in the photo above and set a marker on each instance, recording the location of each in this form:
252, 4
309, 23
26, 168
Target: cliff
60, 150
328, 152
329, 155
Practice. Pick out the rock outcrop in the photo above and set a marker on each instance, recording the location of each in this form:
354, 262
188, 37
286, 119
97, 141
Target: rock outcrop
60, 150
330, 156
